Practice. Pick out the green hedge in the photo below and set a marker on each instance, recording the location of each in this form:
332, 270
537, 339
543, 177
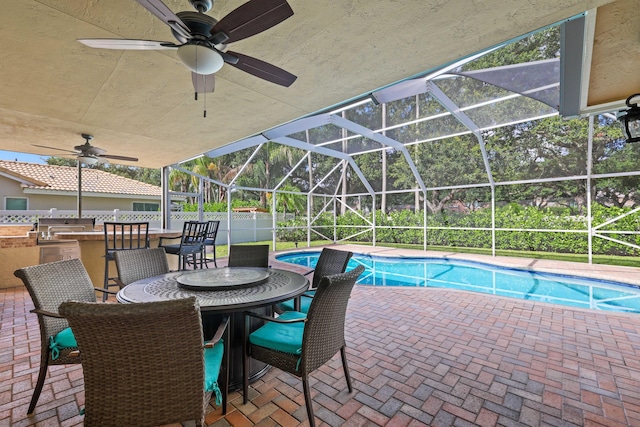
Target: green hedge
391, 228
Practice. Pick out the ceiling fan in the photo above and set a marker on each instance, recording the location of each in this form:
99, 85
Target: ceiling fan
90, 155
202, 40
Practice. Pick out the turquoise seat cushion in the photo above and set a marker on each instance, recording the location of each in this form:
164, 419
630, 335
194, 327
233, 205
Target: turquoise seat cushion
61, 341
212, 364
284, 337
305, 303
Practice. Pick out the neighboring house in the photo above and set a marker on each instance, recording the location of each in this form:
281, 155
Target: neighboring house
32, 186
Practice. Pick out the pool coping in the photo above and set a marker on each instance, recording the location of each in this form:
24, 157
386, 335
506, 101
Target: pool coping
628, 275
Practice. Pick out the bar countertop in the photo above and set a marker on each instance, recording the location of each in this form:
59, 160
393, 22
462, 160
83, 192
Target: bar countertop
154, 233
92, 250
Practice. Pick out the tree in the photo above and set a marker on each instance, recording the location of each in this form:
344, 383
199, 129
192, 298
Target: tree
612, 154
179, 180
288, 202
544, 44
204, 167
270, 166
62, 161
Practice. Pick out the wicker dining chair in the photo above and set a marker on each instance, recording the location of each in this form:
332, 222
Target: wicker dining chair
299, 343
49, 285
330, 261
139, 264
249, 256
159, 369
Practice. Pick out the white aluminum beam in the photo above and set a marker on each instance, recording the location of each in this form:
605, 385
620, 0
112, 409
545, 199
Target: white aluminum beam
418, 86
297, 126
251, 141
246, 164
327, 152
302, 160
465, 120
382, 139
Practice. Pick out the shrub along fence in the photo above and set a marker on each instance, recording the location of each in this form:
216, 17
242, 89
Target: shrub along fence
516, 228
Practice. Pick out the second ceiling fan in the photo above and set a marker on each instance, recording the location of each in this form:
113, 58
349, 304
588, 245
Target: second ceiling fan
90, 154
202, 40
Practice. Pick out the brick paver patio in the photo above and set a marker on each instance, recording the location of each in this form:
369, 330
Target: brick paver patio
432, 357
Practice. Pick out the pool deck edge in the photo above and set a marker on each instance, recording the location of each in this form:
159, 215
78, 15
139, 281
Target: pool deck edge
629, 275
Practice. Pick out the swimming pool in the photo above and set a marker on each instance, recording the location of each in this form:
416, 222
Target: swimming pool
487, 278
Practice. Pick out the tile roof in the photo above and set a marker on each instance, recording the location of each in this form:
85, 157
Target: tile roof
65, 178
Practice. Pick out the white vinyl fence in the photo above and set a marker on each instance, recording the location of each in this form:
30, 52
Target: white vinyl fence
245, 226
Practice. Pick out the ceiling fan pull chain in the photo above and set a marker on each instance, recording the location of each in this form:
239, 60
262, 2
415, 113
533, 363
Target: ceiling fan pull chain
204, 84
196, 88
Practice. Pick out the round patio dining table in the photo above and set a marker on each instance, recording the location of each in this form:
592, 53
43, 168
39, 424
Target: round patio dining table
220, 292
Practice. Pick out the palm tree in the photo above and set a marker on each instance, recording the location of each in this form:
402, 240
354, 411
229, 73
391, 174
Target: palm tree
273, 156
288, 202
179, 181
203, 166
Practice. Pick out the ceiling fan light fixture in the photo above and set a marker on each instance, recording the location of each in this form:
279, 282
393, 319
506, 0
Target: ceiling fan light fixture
200, 59
87, 159
630, 119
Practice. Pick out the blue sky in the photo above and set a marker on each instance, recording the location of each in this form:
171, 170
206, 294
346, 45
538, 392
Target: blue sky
22, 157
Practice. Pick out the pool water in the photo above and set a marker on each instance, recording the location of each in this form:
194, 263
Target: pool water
486, 278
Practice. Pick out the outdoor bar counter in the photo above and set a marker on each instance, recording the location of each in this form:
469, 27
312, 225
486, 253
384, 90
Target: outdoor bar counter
92, 250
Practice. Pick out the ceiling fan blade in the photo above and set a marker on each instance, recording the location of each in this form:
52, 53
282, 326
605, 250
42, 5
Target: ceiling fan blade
54, 148
127, 44
203, 83
251, 18
166, 15
262, 69
110, 156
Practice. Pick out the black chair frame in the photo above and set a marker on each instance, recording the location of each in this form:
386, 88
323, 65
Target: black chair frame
191, 245
210, 240
122, 236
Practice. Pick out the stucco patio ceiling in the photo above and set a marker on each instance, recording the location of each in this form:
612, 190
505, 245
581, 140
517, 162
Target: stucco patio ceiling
141, 103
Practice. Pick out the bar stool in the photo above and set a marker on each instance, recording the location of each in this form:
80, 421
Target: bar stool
191, 245
212, 233
122, 236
